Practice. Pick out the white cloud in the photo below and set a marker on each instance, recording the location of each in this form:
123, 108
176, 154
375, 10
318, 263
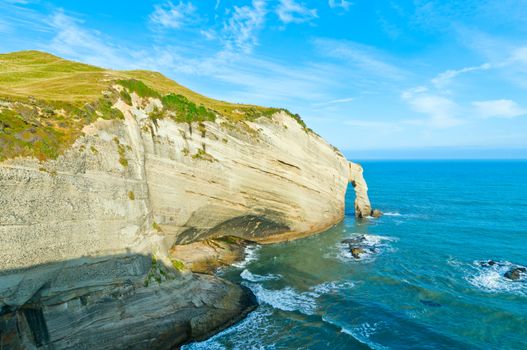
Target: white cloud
518, 55
444, 78
75, 42
340, 3
337, 101
499, 109
240, 30
359, 56
442, 112
209, 34
290, 11
173, 16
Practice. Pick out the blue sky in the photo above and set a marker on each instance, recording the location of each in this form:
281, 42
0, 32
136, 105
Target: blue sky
378, 79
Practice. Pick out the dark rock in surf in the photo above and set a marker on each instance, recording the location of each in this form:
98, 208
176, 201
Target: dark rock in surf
487, 263
376, 213
354, 240
356, 252
515, 273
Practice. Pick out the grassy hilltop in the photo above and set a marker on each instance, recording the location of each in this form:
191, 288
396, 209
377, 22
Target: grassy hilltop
45, 101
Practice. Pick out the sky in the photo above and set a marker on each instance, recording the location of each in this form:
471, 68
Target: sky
376, 78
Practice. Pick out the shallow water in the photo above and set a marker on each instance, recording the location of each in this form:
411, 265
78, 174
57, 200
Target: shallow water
421, 288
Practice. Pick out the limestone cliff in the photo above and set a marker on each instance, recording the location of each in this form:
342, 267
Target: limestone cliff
85, 232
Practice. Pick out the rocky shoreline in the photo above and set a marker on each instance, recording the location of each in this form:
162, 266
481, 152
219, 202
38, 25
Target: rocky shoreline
109, 232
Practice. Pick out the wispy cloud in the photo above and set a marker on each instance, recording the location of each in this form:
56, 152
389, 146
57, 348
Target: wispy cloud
241, 29
499, 109
360, 56
290, 11
441, 111
340, 4
444, 78
335, 102
74, 41
172, 16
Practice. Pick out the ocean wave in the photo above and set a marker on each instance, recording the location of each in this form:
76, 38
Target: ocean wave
330, 287
490, 278
252, 277
286, 299
241, 335
392, 213
251, 254
362, 333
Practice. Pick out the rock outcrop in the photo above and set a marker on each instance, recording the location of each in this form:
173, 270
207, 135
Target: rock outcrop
362, 202
86, 237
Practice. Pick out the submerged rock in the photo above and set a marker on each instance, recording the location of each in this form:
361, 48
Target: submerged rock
430, 303
515, 273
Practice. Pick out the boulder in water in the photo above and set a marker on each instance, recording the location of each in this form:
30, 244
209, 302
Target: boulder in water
356, 252
487, 263
376, 213
514, 274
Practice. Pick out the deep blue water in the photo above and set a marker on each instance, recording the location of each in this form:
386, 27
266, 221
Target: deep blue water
423, 288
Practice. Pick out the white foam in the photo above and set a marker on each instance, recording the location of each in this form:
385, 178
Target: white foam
286, 299
362, 333
373, 239
252, 277
243, 335
333, 286
251, 254
373, 245
491, 278
392, 213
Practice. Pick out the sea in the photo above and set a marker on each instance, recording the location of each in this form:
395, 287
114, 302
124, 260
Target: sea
424, 281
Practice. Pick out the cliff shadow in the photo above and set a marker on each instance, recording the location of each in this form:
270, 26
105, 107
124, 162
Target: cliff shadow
125, 300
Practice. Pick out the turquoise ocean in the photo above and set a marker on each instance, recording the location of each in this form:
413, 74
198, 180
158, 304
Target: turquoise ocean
421, 285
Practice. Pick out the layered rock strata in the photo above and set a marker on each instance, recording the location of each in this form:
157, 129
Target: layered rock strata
86, 237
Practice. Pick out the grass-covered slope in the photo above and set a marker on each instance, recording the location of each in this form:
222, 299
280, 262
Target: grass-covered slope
45, 101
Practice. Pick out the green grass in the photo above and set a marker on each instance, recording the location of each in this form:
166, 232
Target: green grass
125, 96
156, 227
186, 110
203, 155
53, 99
122, 152
140, 88
48, 77
178, 264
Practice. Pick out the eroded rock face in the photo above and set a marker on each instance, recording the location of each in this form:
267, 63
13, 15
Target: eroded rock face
78, 233
115, 303
362, 202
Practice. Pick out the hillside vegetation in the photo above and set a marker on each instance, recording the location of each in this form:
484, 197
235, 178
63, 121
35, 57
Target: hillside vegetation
45, 101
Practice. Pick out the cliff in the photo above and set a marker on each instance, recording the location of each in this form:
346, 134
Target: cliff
103, 172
